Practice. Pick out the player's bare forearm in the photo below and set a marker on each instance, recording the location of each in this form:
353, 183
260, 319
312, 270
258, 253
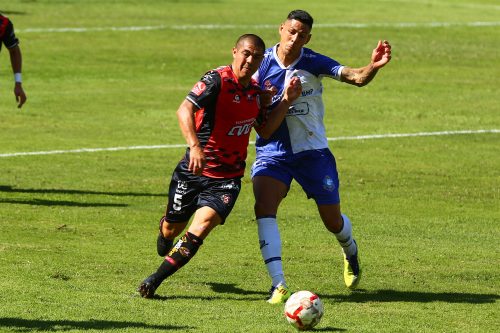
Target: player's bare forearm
185, 116
16, 59
360, 77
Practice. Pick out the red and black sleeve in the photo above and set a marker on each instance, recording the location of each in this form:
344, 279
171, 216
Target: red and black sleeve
7, 36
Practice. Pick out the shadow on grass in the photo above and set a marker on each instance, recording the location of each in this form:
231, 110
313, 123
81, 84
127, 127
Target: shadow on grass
362, 296
43, 202
230, 288
10, 189
358, 296
29, 325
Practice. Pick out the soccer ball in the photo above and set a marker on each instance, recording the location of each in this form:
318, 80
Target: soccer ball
304, 310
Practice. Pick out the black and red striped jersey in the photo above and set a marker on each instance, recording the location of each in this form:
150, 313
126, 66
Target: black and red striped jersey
227, 111
7, 36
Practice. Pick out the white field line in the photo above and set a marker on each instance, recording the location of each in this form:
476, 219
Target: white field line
340, 138
446, 4
262, 26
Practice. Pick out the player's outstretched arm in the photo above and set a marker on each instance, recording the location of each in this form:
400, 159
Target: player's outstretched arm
276, 116
360, 77
185, 115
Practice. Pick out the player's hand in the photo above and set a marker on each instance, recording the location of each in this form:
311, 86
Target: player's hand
197, 160
381, 55
20, 95
293, 90
266, 97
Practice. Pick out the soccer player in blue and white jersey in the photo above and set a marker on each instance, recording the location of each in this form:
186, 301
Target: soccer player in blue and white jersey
299, 148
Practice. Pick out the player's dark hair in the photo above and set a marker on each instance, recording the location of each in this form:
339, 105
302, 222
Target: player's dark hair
256, 40
302, 16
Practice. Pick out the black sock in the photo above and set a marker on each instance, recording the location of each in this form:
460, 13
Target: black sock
185, 248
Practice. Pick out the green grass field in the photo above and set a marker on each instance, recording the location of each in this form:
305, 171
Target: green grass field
78, 230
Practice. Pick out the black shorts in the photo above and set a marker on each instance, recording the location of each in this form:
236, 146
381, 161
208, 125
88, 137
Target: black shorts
188, 192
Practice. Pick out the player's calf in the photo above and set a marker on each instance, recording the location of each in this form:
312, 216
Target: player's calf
163, 245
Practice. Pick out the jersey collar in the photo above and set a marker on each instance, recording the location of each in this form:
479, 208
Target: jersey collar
275, 55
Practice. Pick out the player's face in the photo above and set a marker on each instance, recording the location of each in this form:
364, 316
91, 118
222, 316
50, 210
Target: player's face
246, 59
294, 35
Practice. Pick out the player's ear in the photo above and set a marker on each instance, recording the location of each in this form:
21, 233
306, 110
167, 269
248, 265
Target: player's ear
234, 52
308, 39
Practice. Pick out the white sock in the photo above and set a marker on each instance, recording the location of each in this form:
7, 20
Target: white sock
270, 248
345, 239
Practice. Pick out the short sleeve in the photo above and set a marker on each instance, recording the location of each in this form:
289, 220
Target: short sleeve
329, 67
205, 91
7, 35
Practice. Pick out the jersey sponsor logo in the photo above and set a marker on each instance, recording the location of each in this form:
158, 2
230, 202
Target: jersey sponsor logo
199, 88
239, 130
307, 92
299, 109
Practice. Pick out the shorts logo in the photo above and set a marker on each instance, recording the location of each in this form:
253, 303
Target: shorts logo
226, 199
199, 88
328, 184
182, 185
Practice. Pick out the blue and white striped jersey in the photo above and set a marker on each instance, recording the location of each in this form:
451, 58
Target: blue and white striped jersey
303, 128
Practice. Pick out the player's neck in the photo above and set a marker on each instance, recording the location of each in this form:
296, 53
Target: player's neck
244, 81
287, 58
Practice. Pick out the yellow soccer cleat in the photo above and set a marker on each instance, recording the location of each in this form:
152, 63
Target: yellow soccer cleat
278, 295
352, 271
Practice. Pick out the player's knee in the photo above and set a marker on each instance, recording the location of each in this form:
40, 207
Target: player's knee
334, 223
265, 208
172, 230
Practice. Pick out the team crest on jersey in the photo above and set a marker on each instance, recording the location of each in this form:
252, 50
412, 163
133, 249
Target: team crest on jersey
268, 85
236, 98
199, 88
328, 184
226, 198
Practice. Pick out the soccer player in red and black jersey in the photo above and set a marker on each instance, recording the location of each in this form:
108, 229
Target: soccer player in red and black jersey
216, 119
9, 39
